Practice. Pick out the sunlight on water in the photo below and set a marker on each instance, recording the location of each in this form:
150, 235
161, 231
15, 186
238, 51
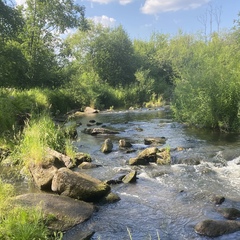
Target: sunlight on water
166, 200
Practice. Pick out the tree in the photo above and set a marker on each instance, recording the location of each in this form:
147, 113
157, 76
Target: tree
153, 57
45, 21
11, 21
113, 57
12, 62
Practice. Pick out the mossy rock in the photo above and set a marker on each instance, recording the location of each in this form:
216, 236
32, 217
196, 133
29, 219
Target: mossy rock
62, 213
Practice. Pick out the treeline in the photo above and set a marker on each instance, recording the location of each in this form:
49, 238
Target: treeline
104, 68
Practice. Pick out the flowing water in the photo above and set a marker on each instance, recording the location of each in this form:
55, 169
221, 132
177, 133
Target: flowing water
166, 201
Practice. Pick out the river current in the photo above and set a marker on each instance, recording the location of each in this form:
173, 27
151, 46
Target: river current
166, 202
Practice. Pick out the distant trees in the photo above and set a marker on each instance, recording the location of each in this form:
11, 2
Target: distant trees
107, 52
104, 68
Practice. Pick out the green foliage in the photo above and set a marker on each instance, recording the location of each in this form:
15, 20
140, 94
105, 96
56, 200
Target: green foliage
207, 94
11, 21
39, 134
17, 222
107, 52
23, 224
15, 104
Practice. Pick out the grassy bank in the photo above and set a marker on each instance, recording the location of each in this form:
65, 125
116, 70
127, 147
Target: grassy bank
20, 223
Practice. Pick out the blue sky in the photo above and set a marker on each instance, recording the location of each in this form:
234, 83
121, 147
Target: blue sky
140, 18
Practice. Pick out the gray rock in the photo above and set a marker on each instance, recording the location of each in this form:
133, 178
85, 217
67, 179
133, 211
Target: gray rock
230, 213
110, 198
124, 144
130, 177
88, 165
43, 172
138, 161
214, 228
107, 146
79, 185
82, 157
68, 162
90, 110
43, 175
217, 199
95, 131
144, 157
157, 140
66, 212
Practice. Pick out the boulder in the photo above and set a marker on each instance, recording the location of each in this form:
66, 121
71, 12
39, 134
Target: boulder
90, 110
215, 228
79, 185
43, 172
124, 144
88, 165
163, 157
149, 153
65, 212
229, 213
81, 157
43, 175
68, 162
157, 140
99, 130
144, 157
130, 177
107, 146
117, 179
110, 198
138, 161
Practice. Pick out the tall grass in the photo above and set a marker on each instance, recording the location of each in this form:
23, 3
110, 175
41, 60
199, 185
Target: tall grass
20, 223
39, 134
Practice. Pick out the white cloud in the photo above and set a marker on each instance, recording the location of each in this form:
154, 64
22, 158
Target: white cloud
125, 2
122, 2
101, 1
104, 20
156, 6
20, 2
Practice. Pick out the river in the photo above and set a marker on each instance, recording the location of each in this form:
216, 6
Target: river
166, 201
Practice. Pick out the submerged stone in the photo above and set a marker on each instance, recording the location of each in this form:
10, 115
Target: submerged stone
214, 228
230, 213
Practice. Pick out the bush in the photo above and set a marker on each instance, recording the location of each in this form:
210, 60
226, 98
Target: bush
208, 92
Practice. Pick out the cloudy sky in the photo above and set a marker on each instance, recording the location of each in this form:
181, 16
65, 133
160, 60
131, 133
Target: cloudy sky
140, 18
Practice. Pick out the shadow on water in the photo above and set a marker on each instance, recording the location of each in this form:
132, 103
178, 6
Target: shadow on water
166, 200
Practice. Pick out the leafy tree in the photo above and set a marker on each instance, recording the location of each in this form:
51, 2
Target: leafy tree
153, 57
10, 21
12, 62
108, 52
45, 21
113, 57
